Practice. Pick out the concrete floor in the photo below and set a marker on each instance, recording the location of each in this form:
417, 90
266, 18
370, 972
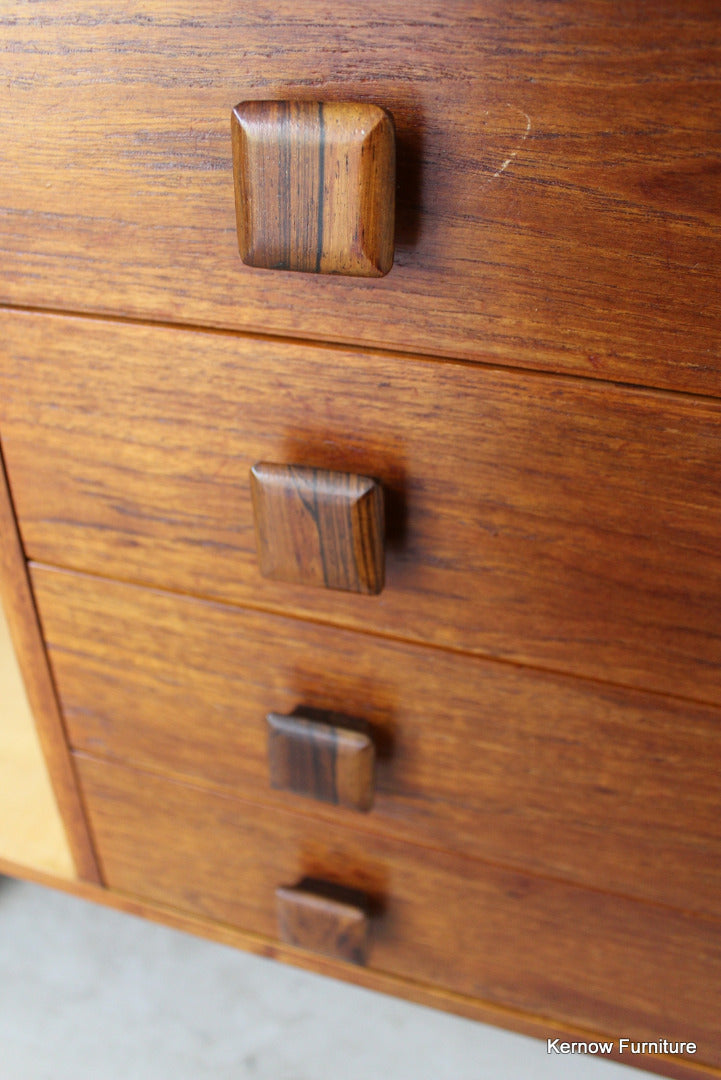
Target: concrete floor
87, 993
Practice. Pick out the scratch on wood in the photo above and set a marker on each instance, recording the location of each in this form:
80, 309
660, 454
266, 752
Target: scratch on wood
524, 136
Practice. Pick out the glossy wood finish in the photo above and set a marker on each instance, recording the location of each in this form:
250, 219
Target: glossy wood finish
319, 755
558, 173
472, 928
315, 186
319, 527
545, 520
324, 920
604, 787
25, 633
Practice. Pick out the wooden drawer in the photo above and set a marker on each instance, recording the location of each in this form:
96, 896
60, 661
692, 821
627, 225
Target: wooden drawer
527, 943
558, 183
545, 520
605, 787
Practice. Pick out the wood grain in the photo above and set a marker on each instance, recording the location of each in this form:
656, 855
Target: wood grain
320, 755
607, 788
319, 527
22, 620
559, 176
544, 520
315, 186
324, 920
472, 928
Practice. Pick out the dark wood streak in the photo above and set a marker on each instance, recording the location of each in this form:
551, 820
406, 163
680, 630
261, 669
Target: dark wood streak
307, 492
283, 257
321, 188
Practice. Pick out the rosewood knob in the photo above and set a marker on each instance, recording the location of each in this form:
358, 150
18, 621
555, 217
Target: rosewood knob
315, 186
325, 919
319, 527
323, 756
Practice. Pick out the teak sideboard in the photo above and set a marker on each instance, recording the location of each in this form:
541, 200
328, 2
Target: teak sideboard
466, 748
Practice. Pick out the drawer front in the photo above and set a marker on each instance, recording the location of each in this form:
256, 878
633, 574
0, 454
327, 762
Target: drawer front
545, 520
604, 787
585, 957
558, 178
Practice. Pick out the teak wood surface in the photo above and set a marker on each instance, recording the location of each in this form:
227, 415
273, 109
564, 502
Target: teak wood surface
613, 789
476, 929
546, 520
315, 186
559, 173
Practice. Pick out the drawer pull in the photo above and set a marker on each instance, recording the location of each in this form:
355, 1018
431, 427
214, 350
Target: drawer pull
315, 186
321, 758
324, 919
317, 527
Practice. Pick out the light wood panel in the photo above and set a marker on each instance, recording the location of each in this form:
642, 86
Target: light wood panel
558, 172
318, 527
635, 969
608, 788
542, 519
31, 830
45, 839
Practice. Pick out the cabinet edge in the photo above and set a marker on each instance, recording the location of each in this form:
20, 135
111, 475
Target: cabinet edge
26, 634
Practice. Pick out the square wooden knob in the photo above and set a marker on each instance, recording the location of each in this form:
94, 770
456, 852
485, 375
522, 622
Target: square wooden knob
319, 527
321, 756
315, 186
325, 919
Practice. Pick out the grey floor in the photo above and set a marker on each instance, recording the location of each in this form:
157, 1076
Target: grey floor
87, 993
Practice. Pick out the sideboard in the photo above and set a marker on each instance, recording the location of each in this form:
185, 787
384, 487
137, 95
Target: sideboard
486, 778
